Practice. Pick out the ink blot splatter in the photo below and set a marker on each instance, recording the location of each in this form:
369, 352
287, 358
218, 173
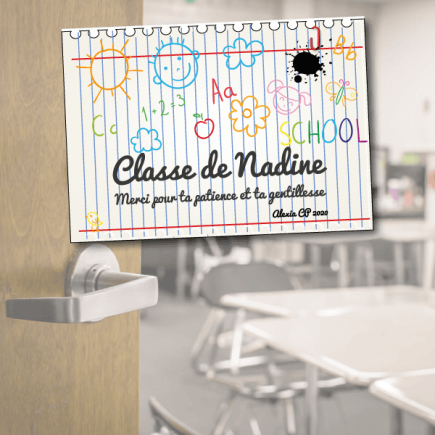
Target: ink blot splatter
306, 63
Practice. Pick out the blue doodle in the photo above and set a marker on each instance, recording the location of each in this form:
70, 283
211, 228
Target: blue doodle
176, 72
236, 58
140, 139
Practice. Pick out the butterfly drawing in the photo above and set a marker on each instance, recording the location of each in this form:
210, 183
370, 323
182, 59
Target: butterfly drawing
341, 91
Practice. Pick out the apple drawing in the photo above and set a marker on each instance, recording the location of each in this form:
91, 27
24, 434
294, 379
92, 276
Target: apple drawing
206, 121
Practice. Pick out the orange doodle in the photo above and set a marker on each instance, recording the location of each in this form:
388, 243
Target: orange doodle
246, 115
97, 74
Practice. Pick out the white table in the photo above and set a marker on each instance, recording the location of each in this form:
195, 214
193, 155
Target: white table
413, 394
397, 231
407, 231
361, 346
322, 302
341, 241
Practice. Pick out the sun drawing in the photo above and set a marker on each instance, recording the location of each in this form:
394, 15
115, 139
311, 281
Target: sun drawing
105, 80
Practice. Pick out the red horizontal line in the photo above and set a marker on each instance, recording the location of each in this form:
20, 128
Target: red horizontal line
190, 54
229, 225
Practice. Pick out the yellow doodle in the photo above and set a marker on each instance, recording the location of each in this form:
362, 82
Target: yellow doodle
94, 221
341, 91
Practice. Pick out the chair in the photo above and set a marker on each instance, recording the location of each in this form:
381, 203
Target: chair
259, 384
205, 259
166, 423
219, 281
260, 388
290, 254
269, 376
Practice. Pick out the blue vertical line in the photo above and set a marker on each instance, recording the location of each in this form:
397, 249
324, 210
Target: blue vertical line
105, 141
185, 135
288, 116
323, 122
83, 139
347, 143
335, 140
209, 149
243, 125
220, 132
359, 156
265, 131
117, 142
128, 135
95, 150
151, 125
197, 139
232, 143
300, 128
138, 117
163, 135
175, 140
312, 143
255, 137
277, 123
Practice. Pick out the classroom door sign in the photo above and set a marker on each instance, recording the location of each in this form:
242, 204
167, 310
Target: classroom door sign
217, 129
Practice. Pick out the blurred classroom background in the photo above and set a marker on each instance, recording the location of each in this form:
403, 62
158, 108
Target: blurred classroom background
198, 360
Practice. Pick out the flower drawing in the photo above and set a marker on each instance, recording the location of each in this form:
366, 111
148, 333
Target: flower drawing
248, 115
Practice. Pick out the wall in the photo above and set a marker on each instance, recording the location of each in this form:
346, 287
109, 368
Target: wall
403, 86
203, 11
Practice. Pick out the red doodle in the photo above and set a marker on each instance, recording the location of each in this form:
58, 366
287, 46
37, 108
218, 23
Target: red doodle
204, 122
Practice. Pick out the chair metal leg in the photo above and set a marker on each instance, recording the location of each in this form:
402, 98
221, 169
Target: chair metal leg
255, 427
244, 362
343, 259
236, 347
181, 268
396, 424
428, 266
225, 415
195, 285
399, 261
290, 416
198, 273
214, 246
359, 265
214, 340
315, 260
417, 249
311, 399
370, 265
206, 334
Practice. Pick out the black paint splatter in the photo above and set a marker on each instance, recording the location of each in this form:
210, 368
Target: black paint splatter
307, 64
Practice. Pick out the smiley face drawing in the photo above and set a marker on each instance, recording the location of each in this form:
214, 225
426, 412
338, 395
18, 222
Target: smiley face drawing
287, 99
175, 65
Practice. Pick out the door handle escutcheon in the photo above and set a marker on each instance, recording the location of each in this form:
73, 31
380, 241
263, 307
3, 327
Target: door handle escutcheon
94, 289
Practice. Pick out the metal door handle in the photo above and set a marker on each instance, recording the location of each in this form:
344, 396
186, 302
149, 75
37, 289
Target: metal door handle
94, 289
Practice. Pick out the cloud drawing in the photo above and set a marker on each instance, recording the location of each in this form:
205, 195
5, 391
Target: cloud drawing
242, 53
146, 140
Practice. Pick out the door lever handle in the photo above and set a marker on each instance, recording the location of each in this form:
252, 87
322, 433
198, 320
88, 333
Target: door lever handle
94, 289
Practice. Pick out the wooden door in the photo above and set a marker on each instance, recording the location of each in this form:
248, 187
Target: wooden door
54, 378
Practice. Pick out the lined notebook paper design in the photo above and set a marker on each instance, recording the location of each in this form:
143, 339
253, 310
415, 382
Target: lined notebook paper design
217, 129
